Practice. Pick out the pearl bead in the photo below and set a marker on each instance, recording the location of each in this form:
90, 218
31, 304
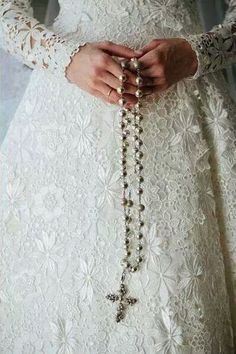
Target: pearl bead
139, 80
140, 117
139, 130
123, 78
120, 90
141, 207
124, 64
136, 63
134, 269
122, 113
139, 93
139, 191
138, 105
122, 101
130, 203
124, 201
140, 179
139, 154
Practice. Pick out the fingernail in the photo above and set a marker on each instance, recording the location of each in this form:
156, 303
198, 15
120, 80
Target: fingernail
138, 52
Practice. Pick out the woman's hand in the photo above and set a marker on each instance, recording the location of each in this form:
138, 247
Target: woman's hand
166, 61
94, 70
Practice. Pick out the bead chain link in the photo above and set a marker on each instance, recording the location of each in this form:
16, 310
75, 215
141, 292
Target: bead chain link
130, 125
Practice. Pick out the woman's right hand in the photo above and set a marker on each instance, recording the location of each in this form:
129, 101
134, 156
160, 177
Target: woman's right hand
94, 70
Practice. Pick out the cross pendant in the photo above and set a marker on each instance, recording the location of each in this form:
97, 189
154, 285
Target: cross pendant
123, 301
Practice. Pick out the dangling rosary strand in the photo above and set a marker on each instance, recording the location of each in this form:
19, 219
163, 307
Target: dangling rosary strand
130, 125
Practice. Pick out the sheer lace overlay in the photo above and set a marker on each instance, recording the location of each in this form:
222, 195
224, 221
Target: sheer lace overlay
32, 42
216, 49
61, 228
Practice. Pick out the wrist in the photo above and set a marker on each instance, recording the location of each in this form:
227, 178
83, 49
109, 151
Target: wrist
192, 56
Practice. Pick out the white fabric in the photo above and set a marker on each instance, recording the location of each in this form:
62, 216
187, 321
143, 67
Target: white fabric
61, 218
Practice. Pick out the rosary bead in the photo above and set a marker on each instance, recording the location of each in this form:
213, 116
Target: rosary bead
134, 269
139, 130
123, 78
140, 191
139, 248
124, 64
121, 125
140, 179
139, 93
122, 101
125, 185
139, 80
141, 207
139, 142
139, 259
140, 117
125, 143
126, 241
127, 229
120, 90
138, 105
123, 161
135, 150
124, 173
135, 138
141, 223
122, 113
135, 62
130, 203
139, 154
139, 167
124, 201
128, 218
140, 236
128, 253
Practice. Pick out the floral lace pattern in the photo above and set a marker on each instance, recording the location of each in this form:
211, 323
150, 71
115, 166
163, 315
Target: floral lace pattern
32, 42
61, 218
217, 48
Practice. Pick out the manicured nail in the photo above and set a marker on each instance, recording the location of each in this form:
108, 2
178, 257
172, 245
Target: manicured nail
138, 52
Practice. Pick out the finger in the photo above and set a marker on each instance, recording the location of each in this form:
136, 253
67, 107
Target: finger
114, 68
152, 81
117, 49
113, 82
150, 46
148, 59
98, 94
149, 72
114, 96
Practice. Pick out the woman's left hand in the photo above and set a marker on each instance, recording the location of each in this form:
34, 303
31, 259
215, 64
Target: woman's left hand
165, 62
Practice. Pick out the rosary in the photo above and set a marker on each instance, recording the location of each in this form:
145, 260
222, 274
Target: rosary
130, 124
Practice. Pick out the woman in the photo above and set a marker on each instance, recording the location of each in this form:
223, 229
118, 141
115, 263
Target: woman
61, 217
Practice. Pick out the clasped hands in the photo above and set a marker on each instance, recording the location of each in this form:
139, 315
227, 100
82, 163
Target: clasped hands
163, 63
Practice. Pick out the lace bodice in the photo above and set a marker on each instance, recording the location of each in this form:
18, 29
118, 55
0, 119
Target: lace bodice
36, 46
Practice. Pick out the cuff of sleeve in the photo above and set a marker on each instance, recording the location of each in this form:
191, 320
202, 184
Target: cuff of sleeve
198, 43
63, 54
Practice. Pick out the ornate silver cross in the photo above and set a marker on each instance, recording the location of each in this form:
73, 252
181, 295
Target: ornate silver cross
123, 303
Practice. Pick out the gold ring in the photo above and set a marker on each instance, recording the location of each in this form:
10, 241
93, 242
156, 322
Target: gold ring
109, 92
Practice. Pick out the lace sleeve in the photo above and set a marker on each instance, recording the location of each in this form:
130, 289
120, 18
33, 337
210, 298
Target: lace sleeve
31, 42
216, 49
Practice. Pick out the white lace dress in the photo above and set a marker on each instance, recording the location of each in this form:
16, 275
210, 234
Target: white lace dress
60, 213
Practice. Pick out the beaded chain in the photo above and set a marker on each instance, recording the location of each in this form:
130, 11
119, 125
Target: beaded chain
131, 130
